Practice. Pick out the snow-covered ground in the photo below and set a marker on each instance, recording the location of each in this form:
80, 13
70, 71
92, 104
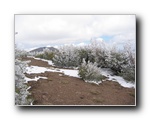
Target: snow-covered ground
74, 73
95, 82
34, 79
36, 69
108, 73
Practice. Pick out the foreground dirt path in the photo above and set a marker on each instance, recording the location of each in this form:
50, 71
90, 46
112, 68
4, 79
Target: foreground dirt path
65, 90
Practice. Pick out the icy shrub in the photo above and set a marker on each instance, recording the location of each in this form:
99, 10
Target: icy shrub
100, 53
66, 57
46, 54
85, 53
129, 73
101, 57
21, 93
123, 63
71, 56
116, 61
128, 70
20, 53
90, 72
49, 56
39, 56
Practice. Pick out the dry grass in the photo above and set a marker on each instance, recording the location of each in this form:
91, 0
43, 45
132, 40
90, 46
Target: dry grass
64, 82
98, 100
132, 94
94, 92
50, 79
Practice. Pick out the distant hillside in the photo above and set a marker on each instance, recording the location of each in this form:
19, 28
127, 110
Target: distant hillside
42, 48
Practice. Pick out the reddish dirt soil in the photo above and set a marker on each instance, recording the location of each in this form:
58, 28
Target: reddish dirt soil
65, 90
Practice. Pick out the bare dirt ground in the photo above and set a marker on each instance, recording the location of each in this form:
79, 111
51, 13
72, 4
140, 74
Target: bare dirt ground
66, 90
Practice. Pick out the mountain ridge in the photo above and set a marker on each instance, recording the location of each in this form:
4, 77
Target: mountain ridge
41, 49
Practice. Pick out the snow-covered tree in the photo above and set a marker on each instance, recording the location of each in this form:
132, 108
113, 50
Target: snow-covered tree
21, 93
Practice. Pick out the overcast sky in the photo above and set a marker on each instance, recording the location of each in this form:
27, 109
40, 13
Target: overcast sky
55, 30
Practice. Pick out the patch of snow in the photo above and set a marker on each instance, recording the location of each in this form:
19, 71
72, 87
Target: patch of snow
30, 56
50, 62
122, 81
60, 74
108, 73
36, 58
73, 73
31, 103
28, 88
97, 83
36, 69
34, 79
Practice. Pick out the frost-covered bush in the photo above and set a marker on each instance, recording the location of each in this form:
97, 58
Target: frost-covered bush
128, 70
100, 53
21, 93
123, 63
66, 57
101, 57
116, 61
40, 55
46, 54
71, 56
128, 73
85, 53
90, 72
20, 53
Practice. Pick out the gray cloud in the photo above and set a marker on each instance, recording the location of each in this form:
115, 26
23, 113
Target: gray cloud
39, 30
